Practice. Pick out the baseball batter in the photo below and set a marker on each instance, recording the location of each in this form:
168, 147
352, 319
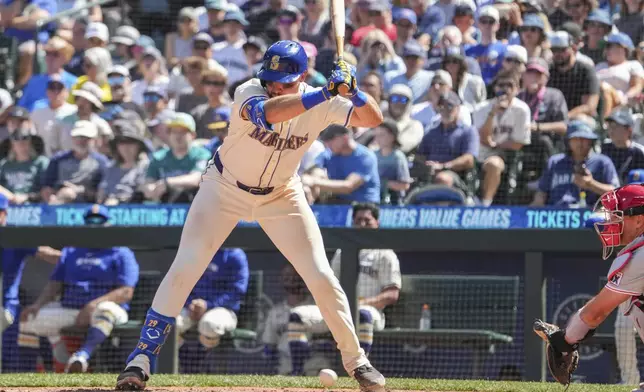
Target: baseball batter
620, 222
275, 119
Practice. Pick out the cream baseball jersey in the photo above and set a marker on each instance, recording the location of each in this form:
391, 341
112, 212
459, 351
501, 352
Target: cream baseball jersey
262, 158
379, 269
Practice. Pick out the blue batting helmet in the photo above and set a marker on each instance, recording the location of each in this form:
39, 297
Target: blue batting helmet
284, 61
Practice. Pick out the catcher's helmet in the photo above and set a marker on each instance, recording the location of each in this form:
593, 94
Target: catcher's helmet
613, 207
284, 61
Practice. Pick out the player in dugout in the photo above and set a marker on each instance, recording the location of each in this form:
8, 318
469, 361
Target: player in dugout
95, 287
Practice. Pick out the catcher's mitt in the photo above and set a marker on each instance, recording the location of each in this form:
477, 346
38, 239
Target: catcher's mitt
562, 357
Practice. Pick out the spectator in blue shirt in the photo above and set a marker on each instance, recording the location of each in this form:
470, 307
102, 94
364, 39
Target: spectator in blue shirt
214, 302
89, 288
74, 175
448, 151
490, 52
415, 76
578, 177
626, 154
58, 53
392, 163
351, 169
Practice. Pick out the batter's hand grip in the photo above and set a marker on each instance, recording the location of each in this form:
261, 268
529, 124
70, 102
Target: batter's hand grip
343, 89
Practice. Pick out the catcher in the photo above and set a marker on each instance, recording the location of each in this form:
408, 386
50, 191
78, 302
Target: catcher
620, 221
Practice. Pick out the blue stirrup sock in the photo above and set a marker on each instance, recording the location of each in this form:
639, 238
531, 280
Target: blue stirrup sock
154, 333
94, 338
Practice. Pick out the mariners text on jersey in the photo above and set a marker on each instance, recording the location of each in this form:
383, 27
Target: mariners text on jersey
273, 139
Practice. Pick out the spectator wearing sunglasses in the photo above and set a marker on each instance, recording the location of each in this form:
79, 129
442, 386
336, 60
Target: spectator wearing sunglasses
414, 76
96, 62
596, 26
448, 150
503, 123
178, 45
427, 112
155, 101
194, 95
58, 53
515, 59
45, 117
230, 52
214, 83
490, 52
577, 80
399, 110
532, 35
22, 168
121, 84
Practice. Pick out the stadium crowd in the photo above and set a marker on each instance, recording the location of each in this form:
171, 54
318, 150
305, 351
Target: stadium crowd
496, 102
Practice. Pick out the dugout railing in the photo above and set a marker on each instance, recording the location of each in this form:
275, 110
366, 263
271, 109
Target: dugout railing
532, 244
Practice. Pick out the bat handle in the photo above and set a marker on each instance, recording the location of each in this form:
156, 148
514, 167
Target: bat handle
343, 88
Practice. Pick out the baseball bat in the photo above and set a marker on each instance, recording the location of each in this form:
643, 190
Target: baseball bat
338, 20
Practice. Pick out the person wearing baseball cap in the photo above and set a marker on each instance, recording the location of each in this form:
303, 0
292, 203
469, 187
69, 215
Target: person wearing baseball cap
230, 53
579, 176
577, 80
436, 161
489, 51
218, 127
626, 154
625, 76
216, 11
124, 40
175, 172
88, 104
532, 34
406, 26
83, 168
515, 59
179, 43
549, 115
58, 54
596, 26
155, 100
97, 35
399, 109
417, 78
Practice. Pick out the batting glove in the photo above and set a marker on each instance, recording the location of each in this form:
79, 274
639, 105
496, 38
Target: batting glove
343, 73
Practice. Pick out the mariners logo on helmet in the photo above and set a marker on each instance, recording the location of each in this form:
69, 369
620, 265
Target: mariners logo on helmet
275, 63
